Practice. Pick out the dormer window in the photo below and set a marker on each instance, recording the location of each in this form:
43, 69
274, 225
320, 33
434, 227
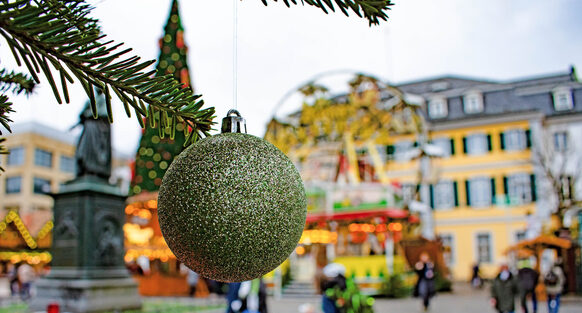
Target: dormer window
473, 102
437, 108
563, 99
440, 86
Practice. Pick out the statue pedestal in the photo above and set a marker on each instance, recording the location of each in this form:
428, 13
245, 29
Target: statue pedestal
87, 295
88, 272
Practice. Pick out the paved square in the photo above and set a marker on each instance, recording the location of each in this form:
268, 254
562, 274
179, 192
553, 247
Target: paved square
463, 300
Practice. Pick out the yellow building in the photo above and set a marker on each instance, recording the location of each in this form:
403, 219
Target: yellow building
41, 159
484, 189
481, 190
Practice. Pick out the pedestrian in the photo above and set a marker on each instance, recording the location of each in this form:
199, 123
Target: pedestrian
25, 277
192, 279
504, 291
214, 287
232, 300
333, 283
12, 273
476, 280
247, 297
262, 297
554, 281
425, 285
527, 280
331, 286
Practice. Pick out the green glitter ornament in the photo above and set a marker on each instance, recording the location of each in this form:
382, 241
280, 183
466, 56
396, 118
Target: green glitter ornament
232, 207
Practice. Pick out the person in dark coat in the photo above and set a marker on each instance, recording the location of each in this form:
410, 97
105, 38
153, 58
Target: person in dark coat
234, 304
247, 297
425, 286
476, 280
527, 280
330, 283
263, 297
503, 291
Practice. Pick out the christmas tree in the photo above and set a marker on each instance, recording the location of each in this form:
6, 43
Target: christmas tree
156, 149
155, 153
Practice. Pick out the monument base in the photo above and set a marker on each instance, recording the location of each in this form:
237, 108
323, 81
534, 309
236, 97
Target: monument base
87, 295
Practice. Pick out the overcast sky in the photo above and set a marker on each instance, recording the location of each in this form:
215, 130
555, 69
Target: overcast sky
281, 48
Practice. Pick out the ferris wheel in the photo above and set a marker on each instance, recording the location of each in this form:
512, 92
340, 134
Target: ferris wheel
344, 119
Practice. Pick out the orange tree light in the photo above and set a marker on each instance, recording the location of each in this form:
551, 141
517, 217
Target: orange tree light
395, 227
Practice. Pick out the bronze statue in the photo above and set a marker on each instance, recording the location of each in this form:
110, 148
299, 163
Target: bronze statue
93, 155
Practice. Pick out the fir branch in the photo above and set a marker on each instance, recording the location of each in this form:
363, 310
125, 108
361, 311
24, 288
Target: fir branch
18, 82
58, 35
372, 10
5, 108
2, 151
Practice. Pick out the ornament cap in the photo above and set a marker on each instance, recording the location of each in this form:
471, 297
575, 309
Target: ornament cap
234, 123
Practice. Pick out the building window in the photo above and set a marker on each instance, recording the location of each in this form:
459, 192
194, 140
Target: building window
480, 192
13, 184
563, 99
41, 208
519, 189
41, 185
15, 157
67, 164
473, 103
440, 86
437, 108
446, 145
477, 144
444, 195
520, 235
561, 141
14, 208
567, 186
448, 248
515, 140
484, 248
43, 158
401, 150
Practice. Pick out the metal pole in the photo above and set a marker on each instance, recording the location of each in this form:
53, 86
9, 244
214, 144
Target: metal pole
427, 218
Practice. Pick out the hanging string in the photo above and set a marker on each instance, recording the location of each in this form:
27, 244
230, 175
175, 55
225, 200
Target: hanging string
235, 55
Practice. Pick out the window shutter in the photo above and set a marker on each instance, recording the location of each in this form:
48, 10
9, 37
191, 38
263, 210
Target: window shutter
468, 192
493, 192
390, 150
505, 189
456, 193
502, 140
532, 178
570, 187
431, 189
465, 145
489, 147
528, 138
452, 146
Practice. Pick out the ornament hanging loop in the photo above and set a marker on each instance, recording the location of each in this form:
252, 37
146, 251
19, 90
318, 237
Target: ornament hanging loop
234, 123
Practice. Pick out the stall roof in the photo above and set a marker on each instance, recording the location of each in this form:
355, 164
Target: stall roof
390, 213
543, 240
